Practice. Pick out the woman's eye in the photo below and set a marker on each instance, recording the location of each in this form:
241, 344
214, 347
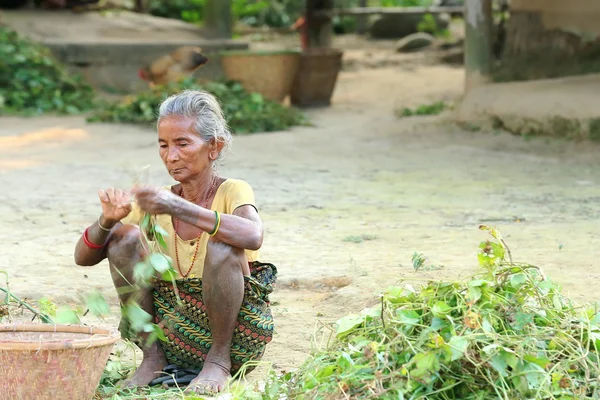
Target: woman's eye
163, 146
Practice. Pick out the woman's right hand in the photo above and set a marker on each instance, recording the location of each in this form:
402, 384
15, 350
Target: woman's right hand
116, 204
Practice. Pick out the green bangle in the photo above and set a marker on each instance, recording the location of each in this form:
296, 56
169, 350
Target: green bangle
217, 224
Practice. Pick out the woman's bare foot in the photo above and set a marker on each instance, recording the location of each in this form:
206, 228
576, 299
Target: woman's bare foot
212, 379
149, 369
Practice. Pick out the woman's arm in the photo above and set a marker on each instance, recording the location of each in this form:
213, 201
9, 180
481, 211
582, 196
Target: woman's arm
87, 256
115, 206
242, 229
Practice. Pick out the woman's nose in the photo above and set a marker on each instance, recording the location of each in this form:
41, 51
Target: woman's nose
172, 154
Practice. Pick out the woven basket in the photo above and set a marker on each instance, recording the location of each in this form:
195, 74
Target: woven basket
270, 73
316, 78
42, 361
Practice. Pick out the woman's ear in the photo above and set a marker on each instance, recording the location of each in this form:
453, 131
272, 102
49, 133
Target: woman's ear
215, 149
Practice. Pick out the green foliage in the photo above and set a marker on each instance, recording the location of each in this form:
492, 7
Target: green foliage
429, 25
425, 109
273, 13
245, 112
33, 82
186, 10
406, 3
508, 332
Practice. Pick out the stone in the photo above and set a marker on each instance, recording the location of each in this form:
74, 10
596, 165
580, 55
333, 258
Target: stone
396, 26
415, 41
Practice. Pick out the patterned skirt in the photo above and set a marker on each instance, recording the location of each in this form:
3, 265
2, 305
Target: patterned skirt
186, 326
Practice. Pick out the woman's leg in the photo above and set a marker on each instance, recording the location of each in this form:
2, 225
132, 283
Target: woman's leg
223, 292
125, 250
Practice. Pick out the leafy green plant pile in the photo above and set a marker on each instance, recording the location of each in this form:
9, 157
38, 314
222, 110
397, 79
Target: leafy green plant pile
245, 112
506, 333
33, 82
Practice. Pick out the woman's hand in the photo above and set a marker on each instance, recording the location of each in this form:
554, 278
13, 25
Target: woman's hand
155, 200
116, 204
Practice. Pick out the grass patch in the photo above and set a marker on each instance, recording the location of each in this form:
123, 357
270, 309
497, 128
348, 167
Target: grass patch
425, 109
245, 112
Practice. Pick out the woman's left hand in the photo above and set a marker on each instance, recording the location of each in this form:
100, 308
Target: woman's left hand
155, 200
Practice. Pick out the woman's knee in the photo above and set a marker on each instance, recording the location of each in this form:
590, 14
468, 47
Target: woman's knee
125, 242
219, 254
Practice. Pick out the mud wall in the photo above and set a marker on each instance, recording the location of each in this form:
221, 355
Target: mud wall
551, 38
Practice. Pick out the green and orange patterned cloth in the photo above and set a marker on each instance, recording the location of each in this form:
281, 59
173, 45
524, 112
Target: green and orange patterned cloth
182, 315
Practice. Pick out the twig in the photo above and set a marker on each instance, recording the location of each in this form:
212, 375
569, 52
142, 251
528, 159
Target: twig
43, 317
382, 313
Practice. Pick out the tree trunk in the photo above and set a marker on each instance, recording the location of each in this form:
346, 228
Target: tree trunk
217, 14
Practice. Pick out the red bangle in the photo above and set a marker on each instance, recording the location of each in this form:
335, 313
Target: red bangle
90, 244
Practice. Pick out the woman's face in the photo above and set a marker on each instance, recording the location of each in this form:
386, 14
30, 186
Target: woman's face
183, 152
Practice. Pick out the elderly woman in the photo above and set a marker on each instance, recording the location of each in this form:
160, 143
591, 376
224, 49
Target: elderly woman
214, 234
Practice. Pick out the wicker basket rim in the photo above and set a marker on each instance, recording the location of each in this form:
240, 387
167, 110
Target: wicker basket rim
259, 52
98, 337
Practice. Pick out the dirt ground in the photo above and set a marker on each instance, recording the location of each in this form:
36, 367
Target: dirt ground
414, 184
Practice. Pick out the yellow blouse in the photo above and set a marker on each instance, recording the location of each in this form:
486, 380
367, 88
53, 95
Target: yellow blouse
231, 194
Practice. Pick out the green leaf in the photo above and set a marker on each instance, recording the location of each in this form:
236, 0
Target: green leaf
145, 223
440, 309
426, 363
345, 361
499, 364
396, 295
459, 346
438, 323
346, 324
47, 306
536, 376
521, 320
543, 362
372, 312
66, 315
486, 325
97, 304
517, 280
160, 234
142, 273
474, 294
408, 317
138, 318
326, 371
160, 262
510, 358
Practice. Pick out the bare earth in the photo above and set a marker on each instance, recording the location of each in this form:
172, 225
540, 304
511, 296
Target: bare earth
416, 184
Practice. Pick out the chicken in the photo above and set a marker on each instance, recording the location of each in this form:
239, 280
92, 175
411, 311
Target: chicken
173, 67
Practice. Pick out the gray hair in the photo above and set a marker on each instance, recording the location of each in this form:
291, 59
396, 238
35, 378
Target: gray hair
205, 109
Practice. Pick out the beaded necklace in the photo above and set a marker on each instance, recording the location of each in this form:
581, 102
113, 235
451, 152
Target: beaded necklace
210, 193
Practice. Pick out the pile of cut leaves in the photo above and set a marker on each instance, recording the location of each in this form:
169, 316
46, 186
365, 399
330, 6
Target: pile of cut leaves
245, 112
33, 82
507, 333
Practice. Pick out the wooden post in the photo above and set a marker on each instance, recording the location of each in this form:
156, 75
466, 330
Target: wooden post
361, 21
218, 20
140, 7
478, 42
